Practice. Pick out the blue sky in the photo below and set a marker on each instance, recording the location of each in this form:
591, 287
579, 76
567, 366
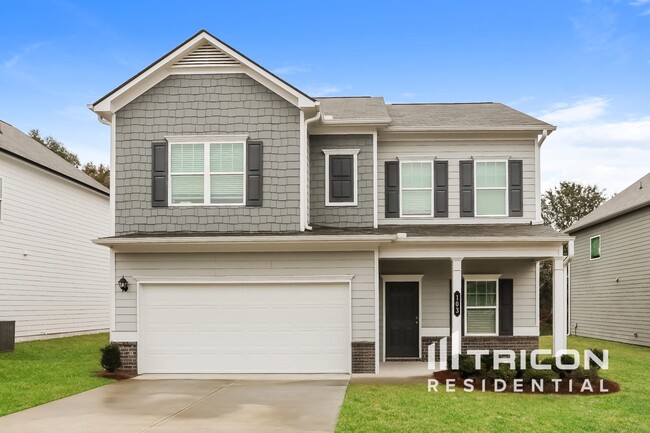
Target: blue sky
582, 65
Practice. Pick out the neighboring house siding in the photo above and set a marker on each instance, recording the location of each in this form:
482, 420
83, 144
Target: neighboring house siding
52, 277
227, 104
219, 265
454, 150
360, 215
601, 307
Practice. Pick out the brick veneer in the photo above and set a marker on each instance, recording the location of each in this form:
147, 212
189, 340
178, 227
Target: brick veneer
129, 355
516, 343
363, 357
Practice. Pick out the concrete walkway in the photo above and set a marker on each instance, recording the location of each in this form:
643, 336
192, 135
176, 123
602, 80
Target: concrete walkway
289, 405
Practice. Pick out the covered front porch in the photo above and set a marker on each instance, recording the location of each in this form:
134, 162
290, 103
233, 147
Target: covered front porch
473, 294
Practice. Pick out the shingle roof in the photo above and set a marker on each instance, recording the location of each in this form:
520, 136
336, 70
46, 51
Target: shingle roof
464, 116
15, 142
351, 110
631, 198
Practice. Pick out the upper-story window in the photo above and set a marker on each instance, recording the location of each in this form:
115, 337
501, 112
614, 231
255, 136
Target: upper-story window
341, 177
491, 188
594, 247
416, 188
207, 173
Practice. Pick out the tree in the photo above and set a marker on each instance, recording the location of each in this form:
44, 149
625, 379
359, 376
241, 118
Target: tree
101, 173
562, 206
55, 146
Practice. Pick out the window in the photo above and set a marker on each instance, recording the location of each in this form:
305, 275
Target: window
341, 177
491, 188
594, 247
207, 173
416, 185
481, 306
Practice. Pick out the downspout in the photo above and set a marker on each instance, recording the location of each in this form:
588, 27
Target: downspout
304, 167
567, 272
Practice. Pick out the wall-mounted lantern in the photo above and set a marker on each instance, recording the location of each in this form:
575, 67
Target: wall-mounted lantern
124, 285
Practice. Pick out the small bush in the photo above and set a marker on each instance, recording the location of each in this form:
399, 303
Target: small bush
111, 359
599, 354
503, 372
546, 375
466, 366
520, 371
487, 362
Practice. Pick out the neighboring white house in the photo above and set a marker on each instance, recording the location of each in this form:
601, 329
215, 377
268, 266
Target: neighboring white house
52, 277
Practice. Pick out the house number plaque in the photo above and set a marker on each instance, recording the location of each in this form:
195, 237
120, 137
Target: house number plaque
456, 304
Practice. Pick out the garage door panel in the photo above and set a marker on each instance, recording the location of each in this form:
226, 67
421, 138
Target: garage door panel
254, 328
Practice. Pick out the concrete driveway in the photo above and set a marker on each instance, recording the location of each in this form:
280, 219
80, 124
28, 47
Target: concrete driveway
304, 404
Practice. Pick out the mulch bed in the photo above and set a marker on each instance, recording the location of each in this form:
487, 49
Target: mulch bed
564, 387
116, 375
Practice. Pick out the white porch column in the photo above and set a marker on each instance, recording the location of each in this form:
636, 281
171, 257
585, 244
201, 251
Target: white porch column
559, 306
456, 304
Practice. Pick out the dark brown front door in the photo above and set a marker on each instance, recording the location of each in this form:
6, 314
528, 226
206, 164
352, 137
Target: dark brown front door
402, 326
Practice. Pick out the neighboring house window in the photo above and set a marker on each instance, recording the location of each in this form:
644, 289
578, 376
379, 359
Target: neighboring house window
416, 186
481, 301
341, 177
491, 180
207, 173
594, 247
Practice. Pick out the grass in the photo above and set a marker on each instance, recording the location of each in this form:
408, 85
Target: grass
41, 371
410, 408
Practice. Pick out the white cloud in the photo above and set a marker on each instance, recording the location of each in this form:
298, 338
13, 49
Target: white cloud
639, 2
323, 90
13, 60
290, 70
590, 148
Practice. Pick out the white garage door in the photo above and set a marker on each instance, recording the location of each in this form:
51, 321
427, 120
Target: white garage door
244, 328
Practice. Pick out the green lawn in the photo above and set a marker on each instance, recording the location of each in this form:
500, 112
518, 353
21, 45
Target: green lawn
41, 371
410, 408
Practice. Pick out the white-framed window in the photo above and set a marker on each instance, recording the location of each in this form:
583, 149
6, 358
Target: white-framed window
481, 304
341, 177
491, 188
1, 196
207, 171
416, 188
594, 247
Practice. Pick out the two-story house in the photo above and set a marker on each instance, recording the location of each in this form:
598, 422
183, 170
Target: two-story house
258, 229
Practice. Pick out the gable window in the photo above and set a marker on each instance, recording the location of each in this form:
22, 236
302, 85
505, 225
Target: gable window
207, 173
594, 247
341, 177
416, 188
491, 180
481, 301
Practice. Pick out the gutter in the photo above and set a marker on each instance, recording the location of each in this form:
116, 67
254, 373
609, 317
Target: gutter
303, 167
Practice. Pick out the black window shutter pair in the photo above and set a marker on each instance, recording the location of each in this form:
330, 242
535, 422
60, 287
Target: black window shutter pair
515, 188
160, 173
506, 309
341, 178
440, 189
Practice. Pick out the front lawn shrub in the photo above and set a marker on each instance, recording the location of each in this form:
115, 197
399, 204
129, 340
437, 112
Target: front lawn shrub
503, 372
599, 354
466, 366
111, 359
546, 375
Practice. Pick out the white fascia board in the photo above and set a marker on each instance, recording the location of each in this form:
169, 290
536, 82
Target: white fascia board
482, 239
513, 128
195, 240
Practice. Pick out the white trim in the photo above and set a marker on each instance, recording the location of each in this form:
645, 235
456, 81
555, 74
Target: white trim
491, 188
376, 281
355, 154
435, 332
525, 331
2, 186
536, 292
303, 173
401, 188
417, 158
600, 246
407, 278
112, 285
207, 173
124, 336
327, 279
113, 167
538, 180
479, 277
375, 186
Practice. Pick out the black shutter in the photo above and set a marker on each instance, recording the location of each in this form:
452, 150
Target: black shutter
159, 174
505, 307
466, 188
515, 188
341, 178
392, 189
254, 181
441, 188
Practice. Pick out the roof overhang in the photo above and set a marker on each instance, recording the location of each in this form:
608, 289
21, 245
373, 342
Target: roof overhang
579, 226
522, 128
163, 67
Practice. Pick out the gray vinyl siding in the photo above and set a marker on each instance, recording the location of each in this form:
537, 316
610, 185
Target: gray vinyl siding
218, 265
226, 104
454, 151
360, 215
600, 306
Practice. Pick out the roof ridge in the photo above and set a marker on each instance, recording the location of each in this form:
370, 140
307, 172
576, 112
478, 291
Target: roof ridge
443, 103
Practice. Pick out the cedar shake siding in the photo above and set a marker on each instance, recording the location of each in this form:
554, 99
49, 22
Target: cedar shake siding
360, 215
225, 104
601, 306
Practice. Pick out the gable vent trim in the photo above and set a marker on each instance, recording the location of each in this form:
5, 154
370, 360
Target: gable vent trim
206, 55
